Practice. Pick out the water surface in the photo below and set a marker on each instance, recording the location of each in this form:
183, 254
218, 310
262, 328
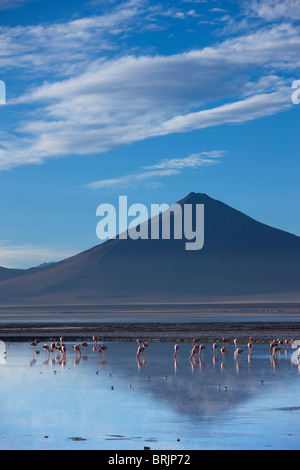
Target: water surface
111, 400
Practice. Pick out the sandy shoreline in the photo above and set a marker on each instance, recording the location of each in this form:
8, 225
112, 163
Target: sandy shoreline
260, 331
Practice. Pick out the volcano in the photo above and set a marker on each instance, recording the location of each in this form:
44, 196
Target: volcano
241, 260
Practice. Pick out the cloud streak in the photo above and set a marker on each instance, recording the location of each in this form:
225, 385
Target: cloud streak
122, 100
168, 167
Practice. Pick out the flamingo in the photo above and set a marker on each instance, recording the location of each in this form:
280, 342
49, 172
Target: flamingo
176, 347
95, 339
139, 351
194, 351
201, 348
272, 345
250, 346
215, 347
77, 349
235, 343
276, 349
223, 349
102, 347
46, 348
63, 349
237, 352
84, 345
52, 347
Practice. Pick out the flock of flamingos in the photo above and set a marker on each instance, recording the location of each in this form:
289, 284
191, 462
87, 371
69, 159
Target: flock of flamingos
197, 349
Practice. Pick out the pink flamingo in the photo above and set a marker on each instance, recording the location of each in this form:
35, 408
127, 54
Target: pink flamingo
194, 351
215, 347
140, 350
272, 345
95, 339
46, 348
77, 350
84, 345
176, 347
63, 349
250, 346
237, 352
223, 349
201, 349
276, 349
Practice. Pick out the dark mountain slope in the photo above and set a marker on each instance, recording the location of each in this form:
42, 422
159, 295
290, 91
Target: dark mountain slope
241, 258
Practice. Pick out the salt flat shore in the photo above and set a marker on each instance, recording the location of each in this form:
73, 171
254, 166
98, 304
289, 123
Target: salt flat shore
261, 332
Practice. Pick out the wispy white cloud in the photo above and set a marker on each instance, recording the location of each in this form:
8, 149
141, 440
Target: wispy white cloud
64, 48
271, 10
10, 4
164, 168
194, 160
128, 180
118, 101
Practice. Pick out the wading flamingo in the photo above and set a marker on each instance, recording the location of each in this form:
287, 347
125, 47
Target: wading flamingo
77, 349
140, 350
275, 350
176, 347
272, 345
194, 351
237, 352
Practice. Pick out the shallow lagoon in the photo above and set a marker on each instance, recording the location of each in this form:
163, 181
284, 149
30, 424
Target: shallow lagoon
109, 400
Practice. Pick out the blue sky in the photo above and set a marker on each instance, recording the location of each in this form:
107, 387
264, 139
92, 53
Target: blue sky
147, 99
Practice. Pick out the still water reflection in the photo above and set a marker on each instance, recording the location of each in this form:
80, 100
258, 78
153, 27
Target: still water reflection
112, 400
